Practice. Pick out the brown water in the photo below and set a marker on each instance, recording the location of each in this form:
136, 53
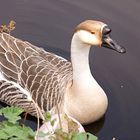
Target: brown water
50, 24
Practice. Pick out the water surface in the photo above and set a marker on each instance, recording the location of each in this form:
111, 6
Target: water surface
50, 24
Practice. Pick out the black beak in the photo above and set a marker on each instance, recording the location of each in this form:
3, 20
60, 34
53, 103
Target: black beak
109, 43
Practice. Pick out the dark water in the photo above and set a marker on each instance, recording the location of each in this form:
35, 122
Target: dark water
50, 24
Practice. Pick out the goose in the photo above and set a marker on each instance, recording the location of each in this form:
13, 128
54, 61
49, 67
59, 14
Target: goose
31, 77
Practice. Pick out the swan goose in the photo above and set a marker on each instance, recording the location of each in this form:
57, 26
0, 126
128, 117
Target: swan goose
30, 77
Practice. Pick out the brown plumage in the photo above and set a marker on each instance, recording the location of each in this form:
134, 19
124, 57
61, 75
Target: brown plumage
42, 74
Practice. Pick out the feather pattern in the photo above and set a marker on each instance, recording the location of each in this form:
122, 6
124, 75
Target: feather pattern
26, 69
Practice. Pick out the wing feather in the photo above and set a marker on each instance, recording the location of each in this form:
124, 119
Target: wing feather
42, 74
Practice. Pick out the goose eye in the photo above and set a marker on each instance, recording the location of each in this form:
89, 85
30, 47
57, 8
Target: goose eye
92, 32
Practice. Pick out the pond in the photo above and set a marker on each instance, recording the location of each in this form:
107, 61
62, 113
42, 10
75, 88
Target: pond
50, 24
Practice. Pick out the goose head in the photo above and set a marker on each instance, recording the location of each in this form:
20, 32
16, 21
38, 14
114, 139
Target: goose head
85, 100
96, 33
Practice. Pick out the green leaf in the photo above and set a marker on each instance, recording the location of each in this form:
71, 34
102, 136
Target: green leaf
53, 122
11, 113
3, 135
80, 136
16, 138
28, 132
84, 136
14, 110
47, 116
10, 128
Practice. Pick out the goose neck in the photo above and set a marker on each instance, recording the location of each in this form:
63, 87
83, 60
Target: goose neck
80, 60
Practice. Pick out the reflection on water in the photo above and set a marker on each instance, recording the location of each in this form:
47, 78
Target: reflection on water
51, 23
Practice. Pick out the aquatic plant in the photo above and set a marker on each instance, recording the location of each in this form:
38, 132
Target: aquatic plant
11, 129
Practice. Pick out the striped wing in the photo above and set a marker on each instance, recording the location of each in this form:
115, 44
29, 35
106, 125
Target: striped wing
29, 70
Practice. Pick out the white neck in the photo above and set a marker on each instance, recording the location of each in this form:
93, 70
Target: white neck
82, 76
84, 98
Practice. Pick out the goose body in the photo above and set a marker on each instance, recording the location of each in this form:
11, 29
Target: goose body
29, 73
